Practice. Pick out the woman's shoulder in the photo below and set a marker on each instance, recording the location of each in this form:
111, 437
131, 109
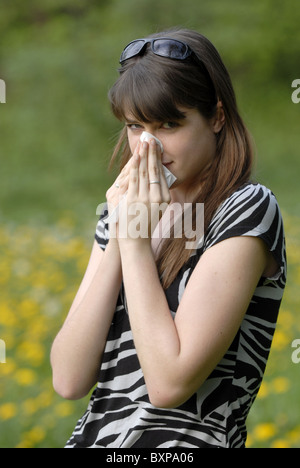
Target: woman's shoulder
247, 201
249, 193
252, 210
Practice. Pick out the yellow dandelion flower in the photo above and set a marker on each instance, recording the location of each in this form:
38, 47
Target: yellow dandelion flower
24, 444
64, 409
5, 272
281, 340
294, 435
57, 281
264, 431
8, 368
286, 319
39, 329
45, 399
29, 308
8, 411
25, 377
29, 406
264, 390
280, 385
31, 352
7, 316
35, 435
280, 443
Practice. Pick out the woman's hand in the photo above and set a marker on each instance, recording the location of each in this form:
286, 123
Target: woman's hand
119, 188
148, 194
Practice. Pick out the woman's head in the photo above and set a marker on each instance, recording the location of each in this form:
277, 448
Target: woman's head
152, 88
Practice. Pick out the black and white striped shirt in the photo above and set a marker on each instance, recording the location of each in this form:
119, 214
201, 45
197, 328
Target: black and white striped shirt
120, 414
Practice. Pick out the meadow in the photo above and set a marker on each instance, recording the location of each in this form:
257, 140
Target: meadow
58, 61
40, 274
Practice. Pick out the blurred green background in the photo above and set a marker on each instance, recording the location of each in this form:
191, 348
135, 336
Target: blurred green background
58, 60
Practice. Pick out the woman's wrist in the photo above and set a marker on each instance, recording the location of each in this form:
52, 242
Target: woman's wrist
133, 250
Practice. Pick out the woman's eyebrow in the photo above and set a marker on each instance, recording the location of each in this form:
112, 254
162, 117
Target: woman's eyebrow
130, 121
173, 119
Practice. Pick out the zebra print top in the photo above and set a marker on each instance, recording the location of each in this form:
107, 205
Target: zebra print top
120, 415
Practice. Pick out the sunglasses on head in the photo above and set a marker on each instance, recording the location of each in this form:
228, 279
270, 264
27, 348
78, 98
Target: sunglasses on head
164, 47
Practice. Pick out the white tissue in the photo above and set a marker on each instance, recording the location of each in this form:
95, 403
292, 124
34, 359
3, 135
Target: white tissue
170, 178
147, 137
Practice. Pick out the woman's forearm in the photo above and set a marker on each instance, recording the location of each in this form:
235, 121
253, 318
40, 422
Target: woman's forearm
154, 332
77, 350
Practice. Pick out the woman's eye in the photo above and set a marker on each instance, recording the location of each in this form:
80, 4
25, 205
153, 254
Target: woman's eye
134, 126
170, 125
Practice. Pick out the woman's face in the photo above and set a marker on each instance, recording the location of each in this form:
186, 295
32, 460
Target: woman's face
189, 144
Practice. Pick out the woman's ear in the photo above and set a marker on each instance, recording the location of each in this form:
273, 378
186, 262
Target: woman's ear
219, 118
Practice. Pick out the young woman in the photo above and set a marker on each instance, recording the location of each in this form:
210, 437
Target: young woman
177, 339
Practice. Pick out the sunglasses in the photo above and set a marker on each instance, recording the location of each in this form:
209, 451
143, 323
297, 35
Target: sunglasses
164, 47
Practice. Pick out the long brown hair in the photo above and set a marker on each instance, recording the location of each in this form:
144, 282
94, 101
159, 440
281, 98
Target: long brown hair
153, 89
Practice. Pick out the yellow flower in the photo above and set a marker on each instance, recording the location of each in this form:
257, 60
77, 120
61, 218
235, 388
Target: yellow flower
280, 385
294, 435
25, 377
8, 411
24, 444
31, 352
280, 443
8, 368
35, 435
264, 431
281, 340
286, 319
45, 398
64, 409
5, 272
263, 391
28, 308
7, 316
29, 406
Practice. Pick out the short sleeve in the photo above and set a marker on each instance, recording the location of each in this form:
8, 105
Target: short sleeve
102, 232
250, 211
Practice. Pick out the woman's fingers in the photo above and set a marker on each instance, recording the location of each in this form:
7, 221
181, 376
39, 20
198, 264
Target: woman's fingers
154, 173
133, 177
165, 191
148, 193
144, 174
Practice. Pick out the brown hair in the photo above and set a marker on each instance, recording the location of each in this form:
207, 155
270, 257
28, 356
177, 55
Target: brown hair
153, 89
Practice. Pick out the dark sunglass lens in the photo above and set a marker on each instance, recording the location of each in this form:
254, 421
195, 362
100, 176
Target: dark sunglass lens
132, 50
170, 49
